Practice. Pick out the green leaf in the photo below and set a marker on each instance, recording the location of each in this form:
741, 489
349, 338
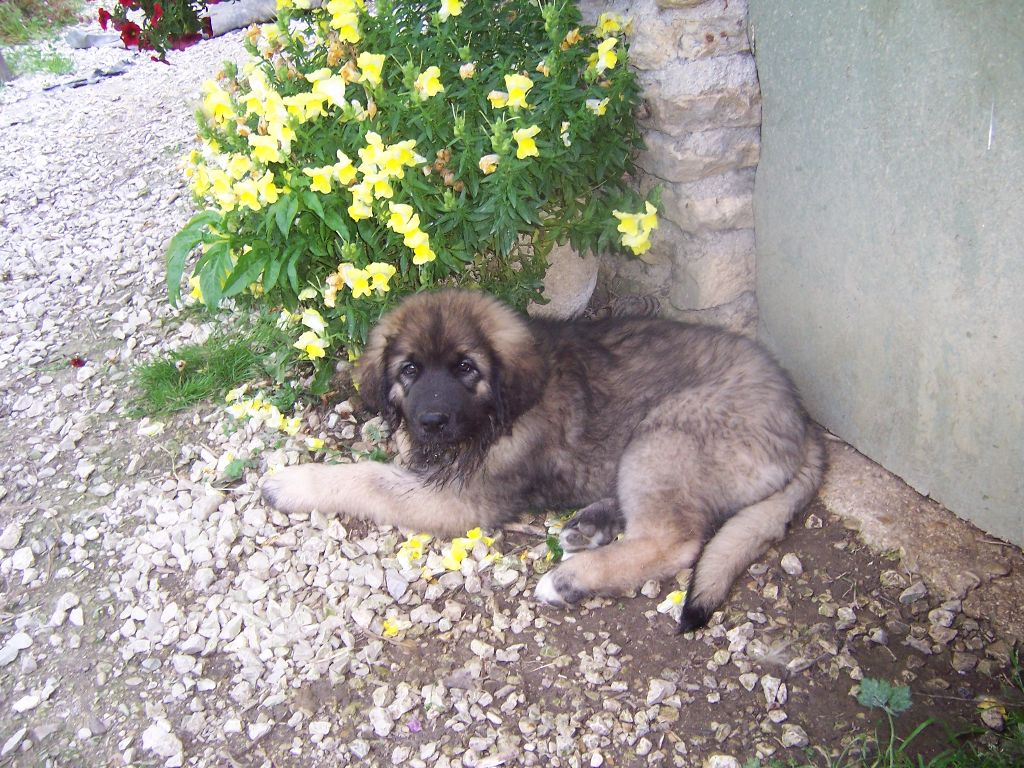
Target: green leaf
271, 273
334, 220
554, 547
880, 694
312, 202
181, 246
248, 268
214, 273
286, 208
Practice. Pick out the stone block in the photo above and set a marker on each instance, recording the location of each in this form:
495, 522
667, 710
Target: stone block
718, 36
712, 270
688, 96
738, 316
679, 3
698, 155
712, 204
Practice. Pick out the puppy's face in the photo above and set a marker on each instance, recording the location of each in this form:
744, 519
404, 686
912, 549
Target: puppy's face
444, 398
457, 367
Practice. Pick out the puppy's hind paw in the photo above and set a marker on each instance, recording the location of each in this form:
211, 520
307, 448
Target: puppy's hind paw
592, 527
557, 588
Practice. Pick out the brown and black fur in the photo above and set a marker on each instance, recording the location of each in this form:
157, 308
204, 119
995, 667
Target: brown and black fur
690, 440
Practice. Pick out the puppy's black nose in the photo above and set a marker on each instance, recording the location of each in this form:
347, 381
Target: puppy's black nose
433, 421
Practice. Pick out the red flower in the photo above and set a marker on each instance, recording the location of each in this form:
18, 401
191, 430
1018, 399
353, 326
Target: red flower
129, 4
104, 18
76, 362
158, 12
130, 34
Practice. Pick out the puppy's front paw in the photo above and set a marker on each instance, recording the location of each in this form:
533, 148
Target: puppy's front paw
292, 489
592, 527
558, 587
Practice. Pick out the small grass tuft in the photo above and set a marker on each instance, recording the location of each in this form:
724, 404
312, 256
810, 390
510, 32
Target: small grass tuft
34, 59
200, 372
22, 21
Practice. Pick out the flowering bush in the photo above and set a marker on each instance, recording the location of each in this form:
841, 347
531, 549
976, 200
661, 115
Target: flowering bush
159, 25
364, 155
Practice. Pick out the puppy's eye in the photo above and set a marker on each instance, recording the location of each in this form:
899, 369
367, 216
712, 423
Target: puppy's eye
409, 370
465, 366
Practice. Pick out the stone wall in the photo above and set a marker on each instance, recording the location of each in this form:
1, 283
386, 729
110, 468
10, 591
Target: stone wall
701, 123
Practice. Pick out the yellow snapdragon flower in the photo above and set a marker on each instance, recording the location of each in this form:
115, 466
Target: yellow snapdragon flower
636, 228
311, 344
489, 163
265, 148
605, 57
238, 165
449, 8
597, 106
321, 177
217, 103
517, 87
428, 83
268, 191
380, 273
370, 66
526, 146
247, 194
467, 70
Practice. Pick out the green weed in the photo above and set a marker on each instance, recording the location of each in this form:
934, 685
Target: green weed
23, 21
33, 59
200, 372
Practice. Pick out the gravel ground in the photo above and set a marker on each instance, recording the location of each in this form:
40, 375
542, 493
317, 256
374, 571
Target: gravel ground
153, 613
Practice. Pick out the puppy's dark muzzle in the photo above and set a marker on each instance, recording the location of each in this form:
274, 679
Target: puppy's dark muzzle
433, 422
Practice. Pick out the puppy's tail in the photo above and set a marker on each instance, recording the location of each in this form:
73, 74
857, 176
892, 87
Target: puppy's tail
745, 535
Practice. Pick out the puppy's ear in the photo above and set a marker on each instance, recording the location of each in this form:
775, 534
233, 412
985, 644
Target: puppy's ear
519, 377
374, 381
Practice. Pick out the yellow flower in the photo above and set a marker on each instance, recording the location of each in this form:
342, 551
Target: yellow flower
449, 8
571, 39
344, 171
422, 254
223, 190
477, 535
282, 133
609, 24
291, 426
403, 219
636, 228
305, 105
362, 196
498, 99
345, 19
235, 394
597, 106
265, 148
238, 166
321, 178
605, 57
314, 321
269, 193
217, 103
356, 279
411, 550
389, 628
518, 86
311, 344
467, 70
456, 553
313, 443
527, 147
332, 89
248, 195
543, 68
428, 83
380, 273
488, 163
370, 65
380, 185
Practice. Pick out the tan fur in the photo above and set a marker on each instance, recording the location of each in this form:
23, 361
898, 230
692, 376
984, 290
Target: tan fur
691, 439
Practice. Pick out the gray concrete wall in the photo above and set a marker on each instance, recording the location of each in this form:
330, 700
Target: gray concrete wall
889, 220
